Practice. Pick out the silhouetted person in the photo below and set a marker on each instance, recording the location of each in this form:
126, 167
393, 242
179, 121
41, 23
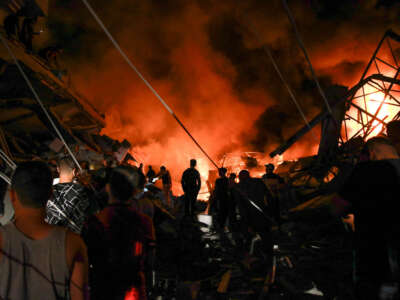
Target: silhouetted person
70, 201
140, 169
166, 182
11, 26
50, 54
222, 197
27, 32
119, 240
142, 177
38, 260
372, 192
274, 183
103, 174
393, 133
234, 207
252, 196
191, 184
150, 174
142, 199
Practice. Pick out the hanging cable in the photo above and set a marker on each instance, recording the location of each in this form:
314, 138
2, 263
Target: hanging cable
285, 83
28, 82
7, 160
3, 142
5, 178
299, 40
133, 67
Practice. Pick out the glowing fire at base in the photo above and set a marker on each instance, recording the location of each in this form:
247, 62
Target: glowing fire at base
384, 108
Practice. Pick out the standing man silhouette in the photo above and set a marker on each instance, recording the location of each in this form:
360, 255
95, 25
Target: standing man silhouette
191, 184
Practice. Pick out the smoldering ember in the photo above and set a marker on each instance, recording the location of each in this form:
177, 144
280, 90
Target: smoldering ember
173, 149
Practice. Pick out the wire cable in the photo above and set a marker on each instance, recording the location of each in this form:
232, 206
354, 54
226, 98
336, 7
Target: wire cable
300, 41
285, 83
133, 67
5, 178
36, 96
7, 160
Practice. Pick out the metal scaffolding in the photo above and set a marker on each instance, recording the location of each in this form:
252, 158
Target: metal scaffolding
374, 101
370, 104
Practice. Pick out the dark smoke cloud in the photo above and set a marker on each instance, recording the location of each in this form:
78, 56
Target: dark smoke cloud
205, 59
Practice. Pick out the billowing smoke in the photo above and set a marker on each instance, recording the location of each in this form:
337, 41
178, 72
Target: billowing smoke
205, 59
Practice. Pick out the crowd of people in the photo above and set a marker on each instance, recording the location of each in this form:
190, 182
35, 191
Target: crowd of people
61, 229
62, 224
58, 230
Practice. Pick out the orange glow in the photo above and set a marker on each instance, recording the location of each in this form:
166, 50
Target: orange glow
374, 100
132, 294
205, 87
138, 251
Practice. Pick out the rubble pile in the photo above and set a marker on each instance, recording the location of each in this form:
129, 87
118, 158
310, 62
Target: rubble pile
312, 253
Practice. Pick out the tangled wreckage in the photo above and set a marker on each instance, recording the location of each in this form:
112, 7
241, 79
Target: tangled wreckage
312, 247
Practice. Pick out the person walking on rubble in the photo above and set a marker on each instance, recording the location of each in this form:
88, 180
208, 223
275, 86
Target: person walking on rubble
150, 175
38, 260
191, 184
371, 193
140, 169
252, 197
167, 184
274, 183
70, 199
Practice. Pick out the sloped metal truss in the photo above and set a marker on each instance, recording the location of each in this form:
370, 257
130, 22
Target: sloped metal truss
375, 100
368, 106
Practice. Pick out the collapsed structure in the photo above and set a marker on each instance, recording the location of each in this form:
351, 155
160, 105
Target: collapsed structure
358, 113
26, 133
26, 127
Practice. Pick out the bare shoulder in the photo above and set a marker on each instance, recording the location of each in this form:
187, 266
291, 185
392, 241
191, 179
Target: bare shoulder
75, 248
74, 241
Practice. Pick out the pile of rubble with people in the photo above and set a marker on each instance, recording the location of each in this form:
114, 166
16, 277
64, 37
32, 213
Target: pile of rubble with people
112, 234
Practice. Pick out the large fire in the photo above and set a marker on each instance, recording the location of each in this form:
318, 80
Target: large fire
376, 103
204, 61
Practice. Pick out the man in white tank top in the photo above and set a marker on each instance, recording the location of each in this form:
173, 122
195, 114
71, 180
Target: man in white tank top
38, 260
